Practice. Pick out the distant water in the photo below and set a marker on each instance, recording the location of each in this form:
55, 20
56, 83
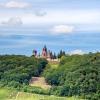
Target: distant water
24, 40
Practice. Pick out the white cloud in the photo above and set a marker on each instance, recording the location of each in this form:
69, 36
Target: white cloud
15, 4
62, 29
83, 20
77, 51
56, 17
14, 21
63, 17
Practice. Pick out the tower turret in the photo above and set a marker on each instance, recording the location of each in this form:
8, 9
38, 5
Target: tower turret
35, 53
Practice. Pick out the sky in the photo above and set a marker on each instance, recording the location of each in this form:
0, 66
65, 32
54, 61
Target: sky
70, 25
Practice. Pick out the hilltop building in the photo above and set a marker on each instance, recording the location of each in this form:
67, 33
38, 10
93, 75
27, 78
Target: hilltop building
47, 54
44, 54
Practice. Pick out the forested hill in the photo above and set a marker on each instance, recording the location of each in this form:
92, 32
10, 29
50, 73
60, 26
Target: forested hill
76, 75
16, 70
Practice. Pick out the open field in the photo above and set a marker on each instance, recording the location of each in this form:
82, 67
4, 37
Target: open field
6, 94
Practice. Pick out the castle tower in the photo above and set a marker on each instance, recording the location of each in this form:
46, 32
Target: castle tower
44, 52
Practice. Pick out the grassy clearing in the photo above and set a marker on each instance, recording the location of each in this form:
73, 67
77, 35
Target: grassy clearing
29, 96
6, 94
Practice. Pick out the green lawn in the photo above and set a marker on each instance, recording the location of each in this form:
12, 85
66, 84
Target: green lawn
6, 94
29, 96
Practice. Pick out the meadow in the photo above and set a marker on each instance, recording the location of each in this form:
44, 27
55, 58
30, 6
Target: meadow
6, 94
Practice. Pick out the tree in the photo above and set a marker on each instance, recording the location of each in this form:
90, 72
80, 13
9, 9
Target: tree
61, 53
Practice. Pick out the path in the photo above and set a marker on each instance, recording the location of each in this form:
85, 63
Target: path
39, 82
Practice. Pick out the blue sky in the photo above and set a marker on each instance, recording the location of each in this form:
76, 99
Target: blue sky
71, 25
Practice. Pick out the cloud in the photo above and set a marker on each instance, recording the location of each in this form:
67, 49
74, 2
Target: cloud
77, 51
55, 17
14, 21
15, 4
62, 29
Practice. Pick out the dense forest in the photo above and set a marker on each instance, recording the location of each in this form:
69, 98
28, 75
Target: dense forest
16, 70
76, 75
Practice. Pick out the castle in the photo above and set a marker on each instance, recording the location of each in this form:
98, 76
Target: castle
47, 54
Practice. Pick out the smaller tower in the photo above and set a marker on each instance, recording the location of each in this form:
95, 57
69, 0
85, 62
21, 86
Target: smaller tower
35, 53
